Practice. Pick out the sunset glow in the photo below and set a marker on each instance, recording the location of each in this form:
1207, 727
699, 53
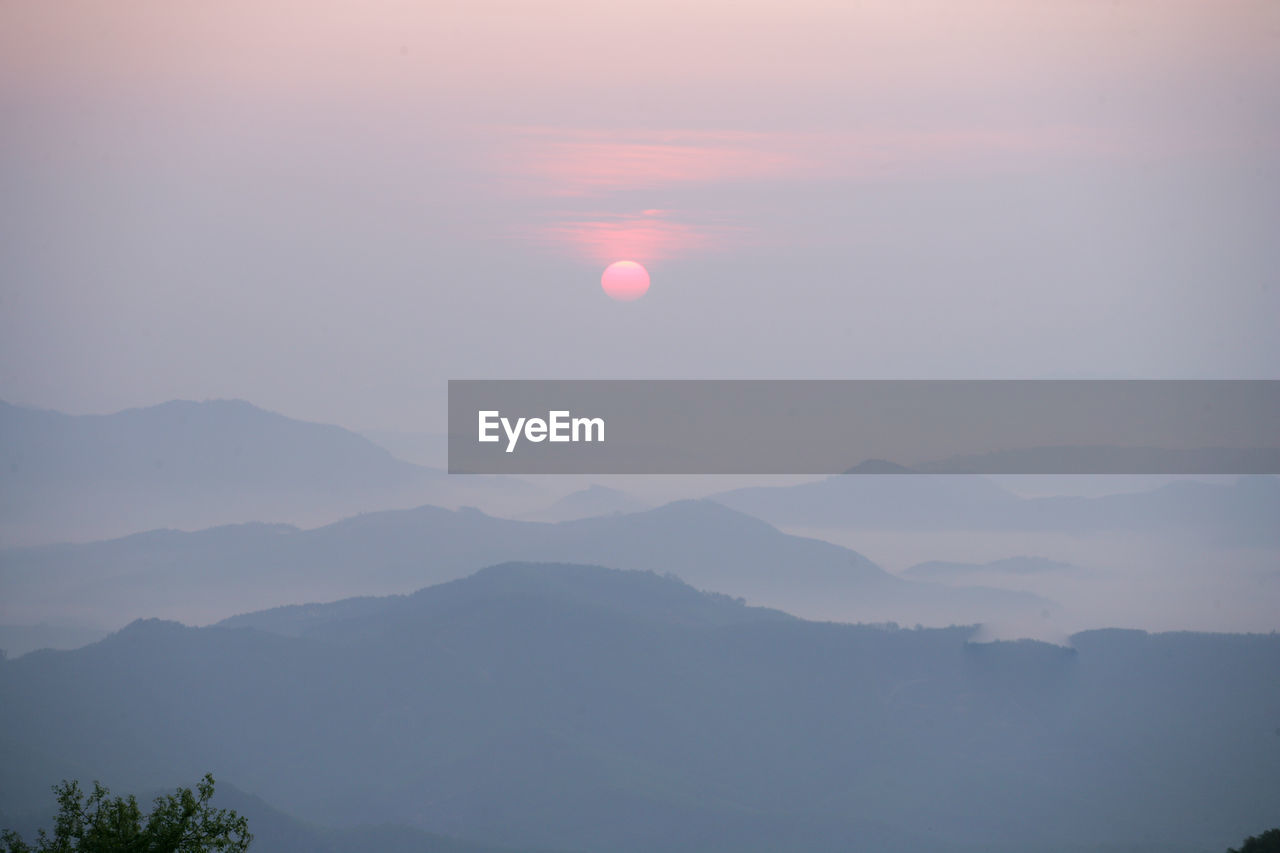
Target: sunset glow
343, 454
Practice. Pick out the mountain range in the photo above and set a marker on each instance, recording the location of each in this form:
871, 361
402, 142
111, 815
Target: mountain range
207, 575
580, 708
190, 465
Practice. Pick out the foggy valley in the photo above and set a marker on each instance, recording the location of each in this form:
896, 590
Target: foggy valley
450, 679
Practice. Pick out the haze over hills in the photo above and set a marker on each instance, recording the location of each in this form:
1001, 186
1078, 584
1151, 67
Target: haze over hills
190, 465
22, 638
941, 570
1243, 513
1042, 235
597, 710
589, 502
187, 465
210, 574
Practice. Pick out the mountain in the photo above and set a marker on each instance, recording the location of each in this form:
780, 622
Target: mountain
207, 575
591, 709
1243, 513
629, 594
190, 465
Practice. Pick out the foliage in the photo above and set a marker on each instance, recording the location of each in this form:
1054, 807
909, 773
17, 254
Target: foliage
1267, 842
181, 822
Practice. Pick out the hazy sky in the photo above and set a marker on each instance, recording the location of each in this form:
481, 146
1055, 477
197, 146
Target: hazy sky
330, 208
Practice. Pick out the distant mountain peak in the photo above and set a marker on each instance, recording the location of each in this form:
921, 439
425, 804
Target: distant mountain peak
149, 628
514, 588
636, 591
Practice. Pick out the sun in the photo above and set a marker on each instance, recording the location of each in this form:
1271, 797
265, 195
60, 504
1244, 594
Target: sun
625, 281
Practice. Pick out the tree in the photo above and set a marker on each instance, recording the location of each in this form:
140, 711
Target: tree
1267, 842
181, 822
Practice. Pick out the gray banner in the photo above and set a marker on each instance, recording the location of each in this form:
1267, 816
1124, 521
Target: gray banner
864, 426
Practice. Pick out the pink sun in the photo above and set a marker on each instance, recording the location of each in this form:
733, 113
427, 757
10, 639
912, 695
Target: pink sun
625, 281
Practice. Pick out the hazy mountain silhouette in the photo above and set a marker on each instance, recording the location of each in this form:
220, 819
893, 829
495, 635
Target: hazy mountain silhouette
588, 709
1243, 513
626, 594
207, 575
191, 465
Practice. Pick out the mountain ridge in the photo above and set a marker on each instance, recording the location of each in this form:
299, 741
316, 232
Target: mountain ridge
209, 575
185, 464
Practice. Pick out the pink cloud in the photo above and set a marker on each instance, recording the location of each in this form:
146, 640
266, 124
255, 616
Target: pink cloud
592, 166
569, 163
648, 236
566, 165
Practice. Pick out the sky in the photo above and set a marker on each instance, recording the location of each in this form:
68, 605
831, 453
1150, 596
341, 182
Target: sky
329, 209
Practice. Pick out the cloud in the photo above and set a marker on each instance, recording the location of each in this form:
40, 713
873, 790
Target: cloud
587, 163
569, 163
603, 183
651, 235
